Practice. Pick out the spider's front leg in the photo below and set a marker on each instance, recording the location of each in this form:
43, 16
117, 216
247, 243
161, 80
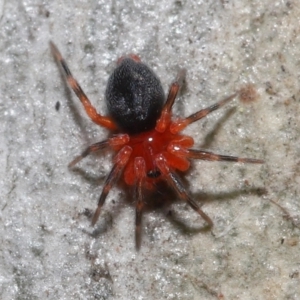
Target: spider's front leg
140, 175
176, 184
120, 161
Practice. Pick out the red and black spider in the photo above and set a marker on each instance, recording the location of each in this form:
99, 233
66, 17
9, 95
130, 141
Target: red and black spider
148, 144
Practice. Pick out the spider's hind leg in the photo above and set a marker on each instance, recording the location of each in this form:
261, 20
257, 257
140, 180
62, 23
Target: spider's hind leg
89, 108
166, 113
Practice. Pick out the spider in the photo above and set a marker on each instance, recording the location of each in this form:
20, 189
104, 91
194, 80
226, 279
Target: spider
147, 141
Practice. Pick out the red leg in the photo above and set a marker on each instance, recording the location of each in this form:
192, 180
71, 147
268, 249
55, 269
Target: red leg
180, 124
174, 181
89, 108
120, 161
205, 155
210, 156
165, 116
140, 174
176, 162
93, 148
114, 142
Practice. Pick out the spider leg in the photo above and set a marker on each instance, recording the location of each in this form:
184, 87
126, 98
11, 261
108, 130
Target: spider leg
93, 148
89, 108
181, 124
165, 116
120, 161
140, 174
181, 151
174, 181
205, 155
116, 141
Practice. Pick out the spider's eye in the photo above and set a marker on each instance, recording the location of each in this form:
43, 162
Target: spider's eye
153, 174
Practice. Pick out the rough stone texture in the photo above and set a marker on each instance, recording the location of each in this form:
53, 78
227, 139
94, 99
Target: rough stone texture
48, 249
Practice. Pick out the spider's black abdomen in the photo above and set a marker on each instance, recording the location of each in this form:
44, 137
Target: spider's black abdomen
134, 96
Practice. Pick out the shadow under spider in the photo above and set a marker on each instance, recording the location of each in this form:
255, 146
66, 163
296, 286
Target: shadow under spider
96, 179
185, 227
162, 201
164, 197
202, 198
210, 136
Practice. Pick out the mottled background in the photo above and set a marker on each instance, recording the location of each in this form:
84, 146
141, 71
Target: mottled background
48, 249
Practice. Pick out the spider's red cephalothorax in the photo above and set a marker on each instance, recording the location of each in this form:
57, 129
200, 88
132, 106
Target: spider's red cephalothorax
148, 144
